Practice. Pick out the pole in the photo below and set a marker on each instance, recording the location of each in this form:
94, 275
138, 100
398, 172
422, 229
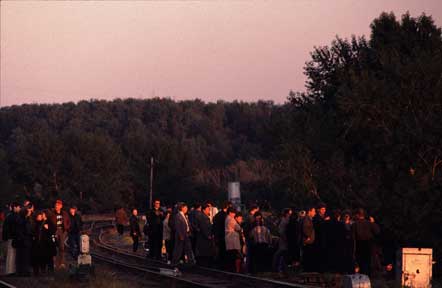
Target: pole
151, 182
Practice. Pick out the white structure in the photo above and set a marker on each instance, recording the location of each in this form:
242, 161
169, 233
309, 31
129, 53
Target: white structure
234, 195
415, 267
84, 258
84, 244
356, 281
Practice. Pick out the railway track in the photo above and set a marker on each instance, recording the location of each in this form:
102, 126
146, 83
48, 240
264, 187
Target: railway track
194, 276
100, 252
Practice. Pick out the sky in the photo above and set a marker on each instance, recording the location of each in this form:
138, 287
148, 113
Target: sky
62, 51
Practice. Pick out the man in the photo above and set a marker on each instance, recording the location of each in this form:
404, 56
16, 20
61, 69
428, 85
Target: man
121, 220
294, 238
23, 240
260, 240
182, 233
364, 232
280, 257
219, 233
9, 233
154, 220
193, 215
74, 232
321, 222
204, 238
135, 232
60, 220
248, 225
308, 241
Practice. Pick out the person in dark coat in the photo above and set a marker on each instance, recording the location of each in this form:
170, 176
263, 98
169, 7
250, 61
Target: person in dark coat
204, 247
308, 241
193, 215
23, 241
280, 258
294, 235
364, 232
219, 234
155, 219
347, 257
135, 231
74, 232
9, 234
335, 230
249, 223
41, 244
320, 221
182, 233
53, 241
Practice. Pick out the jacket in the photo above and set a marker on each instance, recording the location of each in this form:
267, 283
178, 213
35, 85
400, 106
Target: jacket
181, 227
204, 238
308, 231
233, 232
52, 217
134, 226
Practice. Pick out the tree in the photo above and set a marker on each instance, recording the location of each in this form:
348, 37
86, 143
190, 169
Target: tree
371, 121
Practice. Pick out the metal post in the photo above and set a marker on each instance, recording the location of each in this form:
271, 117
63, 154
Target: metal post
151, 182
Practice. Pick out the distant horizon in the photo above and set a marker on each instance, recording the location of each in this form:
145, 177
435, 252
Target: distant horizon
55, 52
146, 99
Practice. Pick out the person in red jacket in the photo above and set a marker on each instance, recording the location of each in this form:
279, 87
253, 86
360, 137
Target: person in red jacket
60, 219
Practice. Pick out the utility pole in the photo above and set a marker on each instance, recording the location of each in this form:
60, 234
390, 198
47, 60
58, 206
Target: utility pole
151, 182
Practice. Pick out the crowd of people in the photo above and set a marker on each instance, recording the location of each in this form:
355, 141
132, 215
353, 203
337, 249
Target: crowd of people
34, 239
308, 240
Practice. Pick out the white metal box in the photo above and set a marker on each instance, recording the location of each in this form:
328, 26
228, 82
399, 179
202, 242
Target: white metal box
414, 267
84, 244
356, 281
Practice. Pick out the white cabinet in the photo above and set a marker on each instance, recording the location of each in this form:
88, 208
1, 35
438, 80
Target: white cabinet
414, 267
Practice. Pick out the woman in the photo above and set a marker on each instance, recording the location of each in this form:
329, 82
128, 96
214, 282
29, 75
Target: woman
233, 238
52, 252
167, 237
41, 245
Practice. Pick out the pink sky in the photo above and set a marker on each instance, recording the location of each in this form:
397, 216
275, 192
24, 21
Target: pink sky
60, 51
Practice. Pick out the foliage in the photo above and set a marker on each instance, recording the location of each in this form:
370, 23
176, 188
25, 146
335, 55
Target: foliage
96, 154
367, 131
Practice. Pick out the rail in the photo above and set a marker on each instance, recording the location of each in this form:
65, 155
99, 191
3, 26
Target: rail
195, 275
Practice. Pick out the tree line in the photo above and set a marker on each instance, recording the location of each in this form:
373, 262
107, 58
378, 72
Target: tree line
366, 133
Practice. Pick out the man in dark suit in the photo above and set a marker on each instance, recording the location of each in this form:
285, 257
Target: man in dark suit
182, 239
308, 241
155, 219
204, 249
